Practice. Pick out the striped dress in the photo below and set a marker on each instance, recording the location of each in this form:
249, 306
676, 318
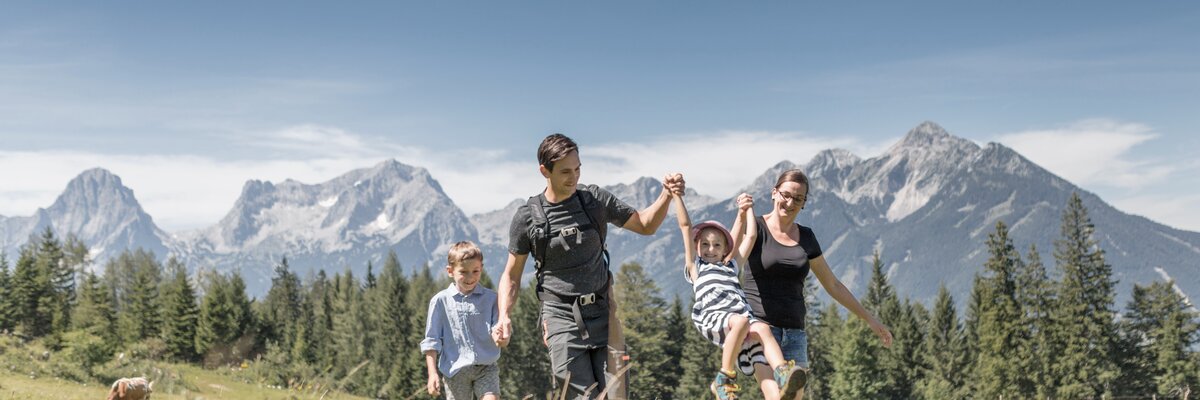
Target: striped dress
717, 295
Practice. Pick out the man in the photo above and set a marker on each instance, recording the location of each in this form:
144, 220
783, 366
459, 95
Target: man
564, 228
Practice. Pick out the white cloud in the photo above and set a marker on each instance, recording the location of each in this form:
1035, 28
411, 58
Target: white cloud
194, 191
1092, 153
1176, 211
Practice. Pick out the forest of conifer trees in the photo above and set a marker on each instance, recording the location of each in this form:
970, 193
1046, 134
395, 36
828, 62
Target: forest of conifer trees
1029, 330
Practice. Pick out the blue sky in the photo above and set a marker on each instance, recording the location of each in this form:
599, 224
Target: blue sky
187, 101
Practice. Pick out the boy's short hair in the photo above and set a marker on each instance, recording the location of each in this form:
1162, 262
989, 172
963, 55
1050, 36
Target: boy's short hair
553, 148
462, 251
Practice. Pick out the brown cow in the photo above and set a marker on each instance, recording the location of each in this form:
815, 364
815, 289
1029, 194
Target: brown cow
131, 389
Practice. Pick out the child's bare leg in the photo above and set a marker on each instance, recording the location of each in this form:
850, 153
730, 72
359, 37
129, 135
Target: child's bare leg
738, 325
771, 347
766, 381
489, 396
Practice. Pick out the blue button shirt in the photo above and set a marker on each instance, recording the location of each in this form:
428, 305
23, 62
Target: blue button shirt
458, 328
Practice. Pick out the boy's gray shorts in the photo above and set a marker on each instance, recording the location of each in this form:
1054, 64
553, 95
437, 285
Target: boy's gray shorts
473, 382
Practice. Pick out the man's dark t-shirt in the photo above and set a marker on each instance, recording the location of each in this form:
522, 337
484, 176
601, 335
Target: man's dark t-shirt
774, 286
574, 263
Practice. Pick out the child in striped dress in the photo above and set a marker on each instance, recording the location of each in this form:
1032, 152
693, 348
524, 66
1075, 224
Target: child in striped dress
719, 309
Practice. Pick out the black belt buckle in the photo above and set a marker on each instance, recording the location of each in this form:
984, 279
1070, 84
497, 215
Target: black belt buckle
587, 299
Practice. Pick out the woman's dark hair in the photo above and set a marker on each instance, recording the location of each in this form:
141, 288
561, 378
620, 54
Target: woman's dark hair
792, 175
554, 148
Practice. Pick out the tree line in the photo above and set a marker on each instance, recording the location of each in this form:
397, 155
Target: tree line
1028, 331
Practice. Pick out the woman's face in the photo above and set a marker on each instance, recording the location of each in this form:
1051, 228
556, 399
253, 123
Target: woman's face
790, 197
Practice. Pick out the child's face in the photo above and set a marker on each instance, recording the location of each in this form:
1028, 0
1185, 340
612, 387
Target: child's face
466, 274
712, 246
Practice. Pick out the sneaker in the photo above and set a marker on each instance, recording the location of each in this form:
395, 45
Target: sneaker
791, 379
723, 387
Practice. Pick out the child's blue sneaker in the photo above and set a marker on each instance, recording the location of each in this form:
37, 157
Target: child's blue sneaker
791, 379
723, 387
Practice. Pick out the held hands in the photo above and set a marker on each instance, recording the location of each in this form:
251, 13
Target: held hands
674, 184
502, 331
745, 202
501, 340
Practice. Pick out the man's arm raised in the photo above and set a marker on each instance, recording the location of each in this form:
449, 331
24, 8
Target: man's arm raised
510, 284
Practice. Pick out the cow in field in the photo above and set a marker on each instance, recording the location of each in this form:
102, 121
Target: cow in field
131, 389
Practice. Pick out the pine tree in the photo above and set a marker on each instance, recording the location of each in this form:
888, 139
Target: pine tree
399, 371
824, 332
1166, 327
139, 316
856, 364
225, 318
943, 353
32, 295
700, 360
971, 333
1035, 294
60, 297
96, 313
641, 311
676, 328
525, 362
282, 307
7, 309
349, 326
898, 362
179, 313
1083, 317
999, 333
320, 296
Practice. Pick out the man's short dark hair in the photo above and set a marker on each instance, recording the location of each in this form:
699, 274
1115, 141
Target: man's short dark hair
554, 148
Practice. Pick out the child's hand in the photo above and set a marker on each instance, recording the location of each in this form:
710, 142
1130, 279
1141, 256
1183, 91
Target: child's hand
745, 202
433, 385
499, 338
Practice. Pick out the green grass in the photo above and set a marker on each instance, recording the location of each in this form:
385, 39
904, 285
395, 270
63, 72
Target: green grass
26, 373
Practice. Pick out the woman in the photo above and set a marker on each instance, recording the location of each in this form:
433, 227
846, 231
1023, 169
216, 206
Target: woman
782, 256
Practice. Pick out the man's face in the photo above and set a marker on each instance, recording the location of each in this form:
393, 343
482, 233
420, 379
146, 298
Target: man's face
565, 175
466, 274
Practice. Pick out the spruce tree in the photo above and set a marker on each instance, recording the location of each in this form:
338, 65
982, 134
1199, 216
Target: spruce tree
1035, 294
700, 360
32, 295
60, 297
139, 317
179, 313
881, 300
96, 314
399, 371
281, 307
856, 363
320, 296
225, 318
1167, 328
999, 333
1083, 317
676, 328
943, 376
641, 310
7, 312
350, 342
824, 332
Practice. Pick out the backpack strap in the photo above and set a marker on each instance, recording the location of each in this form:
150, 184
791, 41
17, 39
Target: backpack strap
539, 235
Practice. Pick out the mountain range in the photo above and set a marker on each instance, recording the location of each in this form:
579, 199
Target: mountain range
926, 205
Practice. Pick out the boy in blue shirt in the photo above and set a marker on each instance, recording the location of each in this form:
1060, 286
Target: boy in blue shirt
459, 341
